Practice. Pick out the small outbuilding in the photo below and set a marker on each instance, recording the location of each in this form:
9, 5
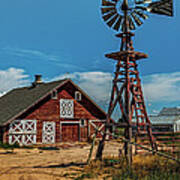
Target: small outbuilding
47, 113
177, 126
168, 119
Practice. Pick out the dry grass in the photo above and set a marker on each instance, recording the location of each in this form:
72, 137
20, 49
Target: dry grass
66, 163
145, 167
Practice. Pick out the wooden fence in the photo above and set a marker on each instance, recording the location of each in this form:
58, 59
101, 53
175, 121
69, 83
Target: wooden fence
166, 141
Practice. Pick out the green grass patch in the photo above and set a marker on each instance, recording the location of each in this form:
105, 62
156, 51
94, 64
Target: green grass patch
13, 146
8, 146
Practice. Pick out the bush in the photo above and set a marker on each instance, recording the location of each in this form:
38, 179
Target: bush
12, 146
8, 146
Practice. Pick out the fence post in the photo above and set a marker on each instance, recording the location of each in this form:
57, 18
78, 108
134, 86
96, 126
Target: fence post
173, 140
92, 147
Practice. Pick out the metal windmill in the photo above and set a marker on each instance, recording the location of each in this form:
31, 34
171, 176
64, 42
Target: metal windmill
124, 16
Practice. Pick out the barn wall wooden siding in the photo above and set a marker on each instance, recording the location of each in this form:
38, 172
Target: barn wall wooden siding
49, 110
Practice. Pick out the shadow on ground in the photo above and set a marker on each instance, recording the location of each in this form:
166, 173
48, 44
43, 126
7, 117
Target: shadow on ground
63, 165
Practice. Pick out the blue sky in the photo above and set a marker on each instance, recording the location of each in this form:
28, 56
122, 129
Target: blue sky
69, 38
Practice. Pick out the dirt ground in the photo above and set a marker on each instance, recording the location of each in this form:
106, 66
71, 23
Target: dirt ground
37, 164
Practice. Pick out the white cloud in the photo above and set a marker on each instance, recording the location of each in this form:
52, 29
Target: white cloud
157, 87
96, 84
12, 78
162, 87
30, 53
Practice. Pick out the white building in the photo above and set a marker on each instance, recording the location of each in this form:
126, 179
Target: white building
167, 120
177, 126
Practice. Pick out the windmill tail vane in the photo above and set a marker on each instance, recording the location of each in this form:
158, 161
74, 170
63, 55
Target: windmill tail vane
124, 16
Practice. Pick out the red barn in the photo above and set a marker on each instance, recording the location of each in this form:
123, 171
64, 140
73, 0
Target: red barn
47, 113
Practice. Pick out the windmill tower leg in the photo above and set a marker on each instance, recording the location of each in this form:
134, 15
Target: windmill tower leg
127, 93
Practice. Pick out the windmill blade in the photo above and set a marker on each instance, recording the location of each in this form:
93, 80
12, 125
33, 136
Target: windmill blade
164, 7
143, 1
107, 3
118, 23
113, 20
107, 10
136, 19
109, 15
141, 8
141, 14
131, 24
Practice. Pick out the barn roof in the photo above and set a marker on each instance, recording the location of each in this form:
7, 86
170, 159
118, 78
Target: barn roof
163, 119
173, 111
16, 102
20, 99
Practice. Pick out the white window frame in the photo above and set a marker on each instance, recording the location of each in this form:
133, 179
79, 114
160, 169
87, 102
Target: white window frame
78, 96
66, 114
82, 125
54, 94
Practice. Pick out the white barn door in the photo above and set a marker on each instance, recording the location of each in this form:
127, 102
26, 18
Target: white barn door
22, 132
49, 132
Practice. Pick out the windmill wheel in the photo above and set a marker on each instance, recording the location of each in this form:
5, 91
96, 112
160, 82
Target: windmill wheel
113, 12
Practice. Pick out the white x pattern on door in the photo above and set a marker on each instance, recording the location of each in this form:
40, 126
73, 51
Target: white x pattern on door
48, 135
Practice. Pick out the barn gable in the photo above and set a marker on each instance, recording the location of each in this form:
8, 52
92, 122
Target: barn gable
19, 100
53, 112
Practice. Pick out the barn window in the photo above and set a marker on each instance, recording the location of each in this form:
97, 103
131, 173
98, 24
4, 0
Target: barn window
82, 123
54, 94
78, 96
66, 108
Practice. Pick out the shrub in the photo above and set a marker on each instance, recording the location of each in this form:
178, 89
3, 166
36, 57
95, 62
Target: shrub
9, 146
12, 146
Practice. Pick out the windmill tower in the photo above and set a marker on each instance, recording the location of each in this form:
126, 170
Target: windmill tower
124, 16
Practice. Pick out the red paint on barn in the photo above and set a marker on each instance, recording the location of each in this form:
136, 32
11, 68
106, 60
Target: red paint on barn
70, 132
46, 116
